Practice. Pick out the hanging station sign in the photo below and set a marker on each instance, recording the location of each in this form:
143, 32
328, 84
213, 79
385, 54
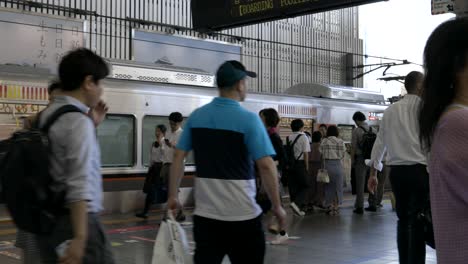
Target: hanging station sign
213, 15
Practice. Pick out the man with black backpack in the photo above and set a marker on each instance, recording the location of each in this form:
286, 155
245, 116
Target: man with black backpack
297, 150
66, 221
75, 161
363, 139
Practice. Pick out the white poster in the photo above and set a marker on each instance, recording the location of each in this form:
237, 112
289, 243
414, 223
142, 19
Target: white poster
37, 40
197, 54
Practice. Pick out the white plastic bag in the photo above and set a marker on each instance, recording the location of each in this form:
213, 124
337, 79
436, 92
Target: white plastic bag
171, 246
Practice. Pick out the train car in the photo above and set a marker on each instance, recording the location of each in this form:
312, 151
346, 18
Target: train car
142, 96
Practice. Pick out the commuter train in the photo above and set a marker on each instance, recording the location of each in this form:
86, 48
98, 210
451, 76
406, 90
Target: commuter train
142, 96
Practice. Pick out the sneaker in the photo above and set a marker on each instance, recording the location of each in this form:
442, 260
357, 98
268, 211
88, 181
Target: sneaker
380, 206
358, 211
371, 209
308, 209
321, 207
296, 209
280, 239
142, 215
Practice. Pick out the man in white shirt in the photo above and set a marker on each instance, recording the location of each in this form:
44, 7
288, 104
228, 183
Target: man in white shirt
298, 173
399, 136
170, 142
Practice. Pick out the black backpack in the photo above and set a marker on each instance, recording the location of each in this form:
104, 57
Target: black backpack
34, 199
367, 142
290, 160
289, 149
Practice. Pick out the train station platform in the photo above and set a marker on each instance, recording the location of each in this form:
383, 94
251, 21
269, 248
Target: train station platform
315, 238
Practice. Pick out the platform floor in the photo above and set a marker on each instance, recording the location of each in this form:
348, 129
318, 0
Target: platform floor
317, 238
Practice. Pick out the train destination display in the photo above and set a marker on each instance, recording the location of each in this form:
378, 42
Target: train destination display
210, 15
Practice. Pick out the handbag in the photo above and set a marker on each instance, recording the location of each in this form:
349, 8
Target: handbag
322, 174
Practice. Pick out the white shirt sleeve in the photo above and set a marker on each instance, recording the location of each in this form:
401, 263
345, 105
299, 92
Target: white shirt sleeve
176, 137
379, 149
305, 144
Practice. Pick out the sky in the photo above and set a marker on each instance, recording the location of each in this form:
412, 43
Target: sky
396, 29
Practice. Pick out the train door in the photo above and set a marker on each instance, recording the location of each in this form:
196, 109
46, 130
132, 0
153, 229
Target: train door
285, 126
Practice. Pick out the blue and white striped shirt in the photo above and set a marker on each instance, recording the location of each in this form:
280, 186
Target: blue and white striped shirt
226, 140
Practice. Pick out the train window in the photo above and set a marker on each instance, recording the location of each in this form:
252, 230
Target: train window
148, 137
116, 135
346, 132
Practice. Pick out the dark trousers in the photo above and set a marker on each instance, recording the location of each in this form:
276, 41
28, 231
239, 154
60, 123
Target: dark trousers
150, 198
376, 198
98, 249
158, 195
410, 186
242, 241
152, 182
298, 184
361, 171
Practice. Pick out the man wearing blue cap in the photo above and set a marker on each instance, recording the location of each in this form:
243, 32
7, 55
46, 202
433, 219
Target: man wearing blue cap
227, 141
